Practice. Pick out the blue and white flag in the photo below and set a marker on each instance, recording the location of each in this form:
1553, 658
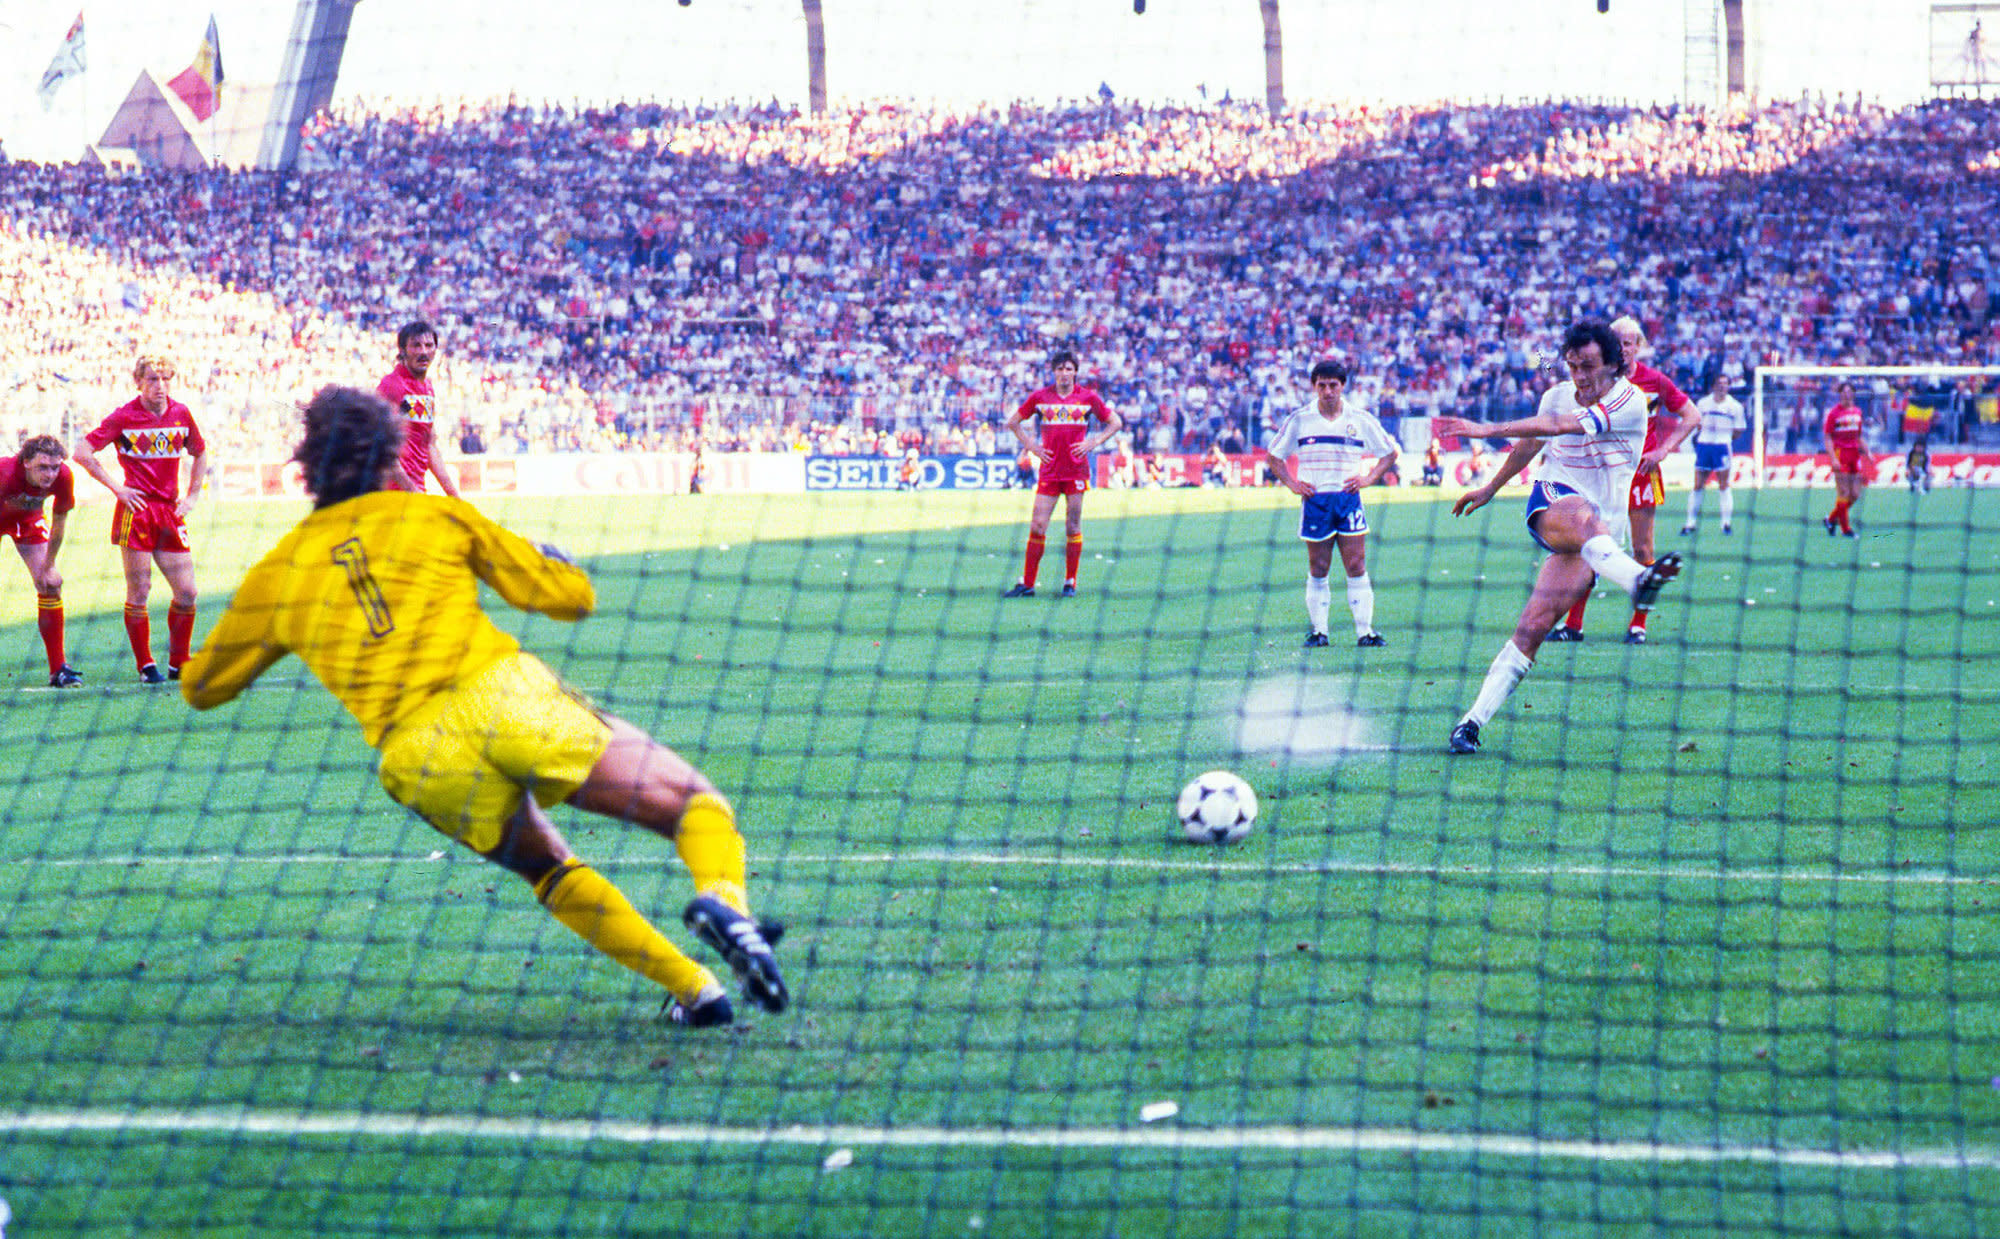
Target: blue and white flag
67, 64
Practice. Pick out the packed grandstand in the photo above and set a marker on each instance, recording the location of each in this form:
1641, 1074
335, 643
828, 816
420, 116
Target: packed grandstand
764, 279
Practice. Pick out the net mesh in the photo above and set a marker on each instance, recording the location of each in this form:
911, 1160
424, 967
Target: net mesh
1694, 942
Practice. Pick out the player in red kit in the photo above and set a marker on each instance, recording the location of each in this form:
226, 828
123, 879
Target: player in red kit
37, 492
1064, 411
152, 433
1842, 431
408, 388
1670, 418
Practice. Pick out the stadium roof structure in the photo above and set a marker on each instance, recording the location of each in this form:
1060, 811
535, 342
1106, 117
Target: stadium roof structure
159, 131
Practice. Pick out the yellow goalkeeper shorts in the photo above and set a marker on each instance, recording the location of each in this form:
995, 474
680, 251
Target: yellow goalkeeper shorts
464, 759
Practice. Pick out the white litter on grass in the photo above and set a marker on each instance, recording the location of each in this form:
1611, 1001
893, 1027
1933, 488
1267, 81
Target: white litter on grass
1302, 717
839, 1159
1154, 1111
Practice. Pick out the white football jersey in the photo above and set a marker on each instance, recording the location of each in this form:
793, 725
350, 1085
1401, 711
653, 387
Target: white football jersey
1330, 449
1720, 419
1598, 464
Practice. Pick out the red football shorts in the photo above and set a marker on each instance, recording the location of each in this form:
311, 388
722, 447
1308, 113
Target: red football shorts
26, 528
153, 526
1847, 459
1647, 491
1046, 485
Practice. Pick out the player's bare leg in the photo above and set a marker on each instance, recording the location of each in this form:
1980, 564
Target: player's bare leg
642, 781
1582, 549
1360, 590
1319, 594
1072, 540
1038, 537
138, 628
178, 568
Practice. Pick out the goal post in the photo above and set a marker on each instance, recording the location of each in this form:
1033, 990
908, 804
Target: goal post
1780, 392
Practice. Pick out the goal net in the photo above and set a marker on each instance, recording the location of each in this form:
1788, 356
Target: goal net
1949, 414
1695, 942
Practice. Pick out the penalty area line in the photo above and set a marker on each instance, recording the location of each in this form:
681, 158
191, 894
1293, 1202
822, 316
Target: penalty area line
276, 1125
1143, 864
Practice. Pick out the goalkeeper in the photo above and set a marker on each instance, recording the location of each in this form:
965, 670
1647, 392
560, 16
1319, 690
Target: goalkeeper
378, 592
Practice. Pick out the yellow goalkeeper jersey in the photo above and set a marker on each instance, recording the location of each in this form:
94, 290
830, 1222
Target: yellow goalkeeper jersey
379, 595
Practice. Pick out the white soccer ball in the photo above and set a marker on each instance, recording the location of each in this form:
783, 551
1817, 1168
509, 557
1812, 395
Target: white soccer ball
1218, 807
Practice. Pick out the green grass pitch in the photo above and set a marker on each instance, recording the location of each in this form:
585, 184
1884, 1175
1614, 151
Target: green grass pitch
1702, 941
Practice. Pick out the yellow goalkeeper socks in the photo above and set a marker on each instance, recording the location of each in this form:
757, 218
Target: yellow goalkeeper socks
581, 898
713, 850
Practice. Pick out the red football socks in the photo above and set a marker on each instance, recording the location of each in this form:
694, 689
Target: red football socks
1031, 563
49, 618
139, 631
1071, 557
180, 632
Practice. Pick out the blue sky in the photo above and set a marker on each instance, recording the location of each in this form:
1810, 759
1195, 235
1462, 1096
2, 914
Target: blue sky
962, 50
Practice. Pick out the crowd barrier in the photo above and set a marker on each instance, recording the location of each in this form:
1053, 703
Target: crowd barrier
791, 473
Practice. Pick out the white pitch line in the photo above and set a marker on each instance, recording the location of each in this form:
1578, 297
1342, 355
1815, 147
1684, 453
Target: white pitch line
1002, 860
1166, 1139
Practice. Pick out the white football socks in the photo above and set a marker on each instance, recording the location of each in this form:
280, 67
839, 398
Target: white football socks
1361, 601
1608, 559
1728, 508
1694, 507
1319, 601
1509, 665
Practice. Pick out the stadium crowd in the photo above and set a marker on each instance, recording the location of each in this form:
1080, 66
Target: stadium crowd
887, 276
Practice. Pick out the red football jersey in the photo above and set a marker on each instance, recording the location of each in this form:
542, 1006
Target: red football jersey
1661, 393
416, 400
150, 448
1843, 426
17, 496
1065, 422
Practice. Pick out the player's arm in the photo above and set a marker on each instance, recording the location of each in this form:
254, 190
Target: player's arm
1386, 456
1542, 425
197, 474
241, 646
1673, 401
1281, 469
86, 459
1277, 452
1018, 423
1518, 458
442, 474
1112, 425
534, 578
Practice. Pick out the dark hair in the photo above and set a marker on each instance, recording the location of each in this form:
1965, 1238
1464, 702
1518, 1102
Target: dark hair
1590, 331
41, 445
1061, 356
351, 436
1330, 369
411, 330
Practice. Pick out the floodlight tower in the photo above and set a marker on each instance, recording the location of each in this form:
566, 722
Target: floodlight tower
1274, 59
1712, 58
305, 83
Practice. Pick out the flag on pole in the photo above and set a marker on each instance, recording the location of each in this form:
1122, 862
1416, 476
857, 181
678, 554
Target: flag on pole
67, 64
200, 84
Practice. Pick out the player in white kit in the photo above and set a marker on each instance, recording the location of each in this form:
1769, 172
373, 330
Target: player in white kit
1721, 420
1595, 428
1342, 449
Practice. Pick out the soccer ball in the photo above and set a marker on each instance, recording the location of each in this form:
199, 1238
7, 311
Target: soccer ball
1218, 807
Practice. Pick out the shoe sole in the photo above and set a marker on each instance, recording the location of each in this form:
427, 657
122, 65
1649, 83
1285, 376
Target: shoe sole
1654, 579
756, 969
